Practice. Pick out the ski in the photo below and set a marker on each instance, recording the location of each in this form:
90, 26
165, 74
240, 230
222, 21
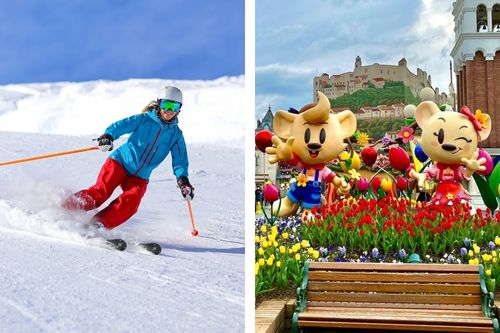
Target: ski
117, 243
153, 248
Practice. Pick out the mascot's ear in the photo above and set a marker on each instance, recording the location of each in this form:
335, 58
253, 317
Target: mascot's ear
424, 112
282, 123
347, 122
486, 130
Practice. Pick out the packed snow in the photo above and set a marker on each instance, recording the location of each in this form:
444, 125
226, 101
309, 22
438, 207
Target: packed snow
57, 276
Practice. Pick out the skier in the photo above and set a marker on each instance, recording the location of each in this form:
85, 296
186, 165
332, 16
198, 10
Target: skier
153, 135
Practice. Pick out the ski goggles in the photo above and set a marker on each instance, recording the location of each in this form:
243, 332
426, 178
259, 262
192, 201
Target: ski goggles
166, 104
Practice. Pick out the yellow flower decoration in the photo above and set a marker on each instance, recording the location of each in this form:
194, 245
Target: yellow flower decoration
481, 117
301, 180
354, 174
363, 138
386, 185
450, 196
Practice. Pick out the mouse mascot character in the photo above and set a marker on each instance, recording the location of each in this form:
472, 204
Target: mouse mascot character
450, 139
307, 141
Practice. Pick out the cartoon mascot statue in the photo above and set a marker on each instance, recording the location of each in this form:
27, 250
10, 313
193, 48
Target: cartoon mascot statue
307, 141
450, 139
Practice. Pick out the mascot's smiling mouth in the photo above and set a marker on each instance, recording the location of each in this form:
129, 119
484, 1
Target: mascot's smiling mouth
313, 153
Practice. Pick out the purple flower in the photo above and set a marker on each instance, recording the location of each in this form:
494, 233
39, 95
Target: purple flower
466, 242
342, 250
491, 245
463, 251
386, 140
374, 253
450, 259
402, 253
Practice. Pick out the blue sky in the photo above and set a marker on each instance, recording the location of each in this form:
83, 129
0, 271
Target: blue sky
80, 40
297, 40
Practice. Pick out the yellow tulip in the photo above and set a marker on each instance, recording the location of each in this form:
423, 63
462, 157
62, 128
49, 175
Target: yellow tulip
470, 253
270, 261
304, 243
386, 185
494, 260
264, 243
261, 261
355, 161
275, 244
284, 235
257, 239
476, 248
297, 257
274, 230
488, 272
315, 254
282, 249
260, 251
486, 257
263, 228
257, 266
272, 238
310, 250
493, 253
278, 264
497, 241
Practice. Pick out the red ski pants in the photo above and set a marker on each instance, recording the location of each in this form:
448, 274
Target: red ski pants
119, 210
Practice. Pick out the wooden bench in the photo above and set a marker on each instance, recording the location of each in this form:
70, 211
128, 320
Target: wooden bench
402, 297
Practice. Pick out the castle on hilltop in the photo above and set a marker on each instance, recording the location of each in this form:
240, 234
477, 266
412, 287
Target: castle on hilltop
375, 76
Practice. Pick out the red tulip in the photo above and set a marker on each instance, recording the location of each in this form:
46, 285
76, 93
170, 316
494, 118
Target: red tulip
401, 184
376, 183
369, 155
488, 164
263, 140
270, 192
399, 158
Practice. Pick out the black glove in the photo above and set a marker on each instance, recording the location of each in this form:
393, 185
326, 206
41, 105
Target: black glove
186, 188
105, 142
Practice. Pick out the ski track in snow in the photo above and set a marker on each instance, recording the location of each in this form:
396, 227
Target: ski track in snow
52, 279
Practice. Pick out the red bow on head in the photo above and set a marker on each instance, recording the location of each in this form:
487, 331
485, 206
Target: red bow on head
475, 122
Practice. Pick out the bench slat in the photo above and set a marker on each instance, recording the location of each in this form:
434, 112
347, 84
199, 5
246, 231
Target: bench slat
393, 298
395, 287
477, 313
339, 266
354, 306
389, 326
393, 277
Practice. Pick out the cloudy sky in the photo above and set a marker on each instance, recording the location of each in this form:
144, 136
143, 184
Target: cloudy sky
80, 40
297, 40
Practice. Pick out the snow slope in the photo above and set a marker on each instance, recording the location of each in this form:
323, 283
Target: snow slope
52, 279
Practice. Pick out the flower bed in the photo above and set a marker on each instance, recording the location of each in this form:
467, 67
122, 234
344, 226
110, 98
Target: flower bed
387, 230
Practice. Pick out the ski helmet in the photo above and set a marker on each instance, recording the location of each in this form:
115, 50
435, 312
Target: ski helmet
171, 93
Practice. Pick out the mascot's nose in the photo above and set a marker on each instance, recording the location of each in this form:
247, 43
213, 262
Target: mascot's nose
313, 146
448, 147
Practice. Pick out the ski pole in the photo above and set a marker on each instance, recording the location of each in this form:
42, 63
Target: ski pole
194, 232
49, 155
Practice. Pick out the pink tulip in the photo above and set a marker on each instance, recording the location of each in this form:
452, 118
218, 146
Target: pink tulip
488, 164
363, 184
270, 192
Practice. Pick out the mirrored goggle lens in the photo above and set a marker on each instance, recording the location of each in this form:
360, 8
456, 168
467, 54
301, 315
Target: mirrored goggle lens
165, 104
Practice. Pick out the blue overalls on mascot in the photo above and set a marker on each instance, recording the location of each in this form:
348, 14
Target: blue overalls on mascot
307, 141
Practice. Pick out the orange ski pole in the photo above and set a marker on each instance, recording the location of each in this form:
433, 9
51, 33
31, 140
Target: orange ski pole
194, 232
49, 155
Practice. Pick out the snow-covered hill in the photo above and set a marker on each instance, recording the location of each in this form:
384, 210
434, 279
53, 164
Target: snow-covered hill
52, 279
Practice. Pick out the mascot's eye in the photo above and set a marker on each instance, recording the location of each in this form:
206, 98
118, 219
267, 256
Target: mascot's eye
465, 139
440, 136
322, 136
307, 135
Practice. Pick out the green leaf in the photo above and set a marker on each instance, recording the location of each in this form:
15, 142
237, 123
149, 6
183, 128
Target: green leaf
495, 179
489, 198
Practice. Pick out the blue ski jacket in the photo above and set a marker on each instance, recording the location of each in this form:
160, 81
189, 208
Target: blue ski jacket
149, 144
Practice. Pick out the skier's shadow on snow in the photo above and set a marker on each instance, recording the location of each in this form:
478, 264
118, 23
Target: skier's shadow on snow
230, 250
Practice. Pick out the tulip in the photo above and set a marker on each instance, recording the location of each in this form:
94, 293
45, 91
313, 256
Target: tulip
386, 185
399, 158
347, 162
369, 155
376, 183
362, 184
263, 140
401, 184
271, 193
488, 164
